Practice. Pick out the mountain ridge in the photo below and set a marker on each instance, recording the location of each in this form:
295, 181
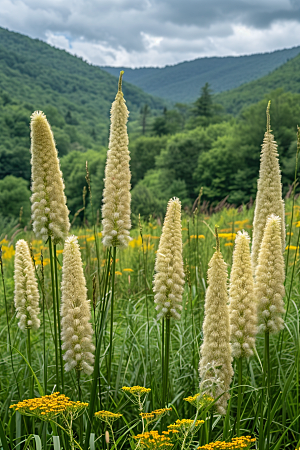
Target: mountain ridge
182, 82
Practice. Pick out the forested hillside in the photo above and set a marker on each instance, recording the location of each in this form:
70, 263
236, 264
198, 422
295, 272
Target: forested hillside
286, 77
174, 152
75, 96
182, 82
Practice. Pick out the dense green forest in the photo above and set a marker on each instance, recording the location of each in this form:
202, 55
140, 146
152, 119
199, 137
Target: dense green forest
181, 82
174, 150
286, 77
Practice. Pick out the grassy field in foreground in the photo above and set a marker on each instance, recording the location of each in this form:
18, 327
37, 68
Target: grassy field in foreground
137, 338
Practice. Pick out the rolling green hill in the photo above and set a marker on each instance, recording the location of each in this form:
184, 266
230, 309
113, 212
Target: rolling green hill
76, 95
286, 77
182, 82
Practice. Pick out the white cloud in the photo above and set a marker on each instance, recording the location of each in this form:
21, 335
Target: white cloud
156, 32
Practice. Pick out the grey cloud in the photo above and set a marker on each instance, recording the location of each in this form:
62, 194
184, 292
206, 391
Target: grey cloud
123, 24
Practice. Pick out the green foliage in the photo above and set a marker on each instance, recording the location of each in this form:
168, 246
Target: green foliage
14, 195
143, 151
203, 106
73, 167
284, 77
181, 82
75, 96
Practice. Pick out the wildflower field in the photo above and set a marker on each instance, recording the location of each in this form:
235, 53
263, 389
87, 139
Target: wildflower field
183, 335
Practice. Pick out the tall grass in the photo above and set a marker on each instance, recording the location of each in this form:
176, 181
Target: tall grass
129, 350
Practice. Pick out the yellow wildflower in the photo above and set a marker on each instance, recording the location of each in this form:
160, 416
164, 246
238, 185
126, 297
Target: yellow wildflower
49, 406
235, 444
107, 416
153, 440
155, 414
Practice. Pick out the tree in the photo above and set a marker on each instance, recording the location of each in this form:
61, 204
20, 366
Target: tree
203, 106
14, 195
145, 111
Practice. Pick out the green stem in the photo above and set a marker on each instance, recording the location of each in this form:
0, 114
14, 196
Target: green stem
31, 379
268, 384
210, 426
7, 322
54, 313
81, 417
113, 269
113, 437
29, 360
240, 393
147, 310
44, 324
163, 360
58, 320
96, 368
167, 358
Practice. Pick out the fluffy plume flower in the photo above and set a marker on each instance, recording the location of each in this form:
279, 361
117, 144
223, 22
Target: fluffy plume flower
242, 306
169, 278
116, 194
26, 288
75, 311
216, 350
269, 278
50, 214
269, 192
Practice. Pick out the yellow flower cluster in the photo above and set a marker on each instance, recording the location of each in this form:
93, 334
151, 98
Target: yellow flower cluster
186, 425
48, 406
136, 390
235, 444
155, 414
199, 400
107, 416
153, 440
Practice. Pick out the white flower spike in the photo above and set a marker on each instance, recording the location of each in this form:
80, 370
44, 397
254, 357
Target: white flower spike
243, 305
169, 278
269, 278
50, 214
216, 350
269, 192
75, 312
26, 288
116, 194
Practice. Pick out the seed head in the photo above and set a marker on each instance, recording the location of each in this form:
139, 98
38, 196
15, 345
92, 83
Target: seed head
50, 214
169, 278
26, 288
215, 350
243, 306
269, 192
75, 312
269, 278
116, 194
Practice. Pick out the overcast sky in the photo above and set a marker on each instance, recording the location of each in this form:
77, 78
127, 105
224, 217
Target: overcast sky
138, 33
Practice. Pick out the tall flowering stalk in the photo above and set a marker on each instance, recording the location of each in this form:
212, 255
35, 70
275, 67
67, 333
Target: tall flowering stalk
26, 295
75, 312
242, 309
169, 280
116, 194
215, 362
242, 306
269, 192
50, 214
269, 291
115, 221
269, 278
169, 277
26, 289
